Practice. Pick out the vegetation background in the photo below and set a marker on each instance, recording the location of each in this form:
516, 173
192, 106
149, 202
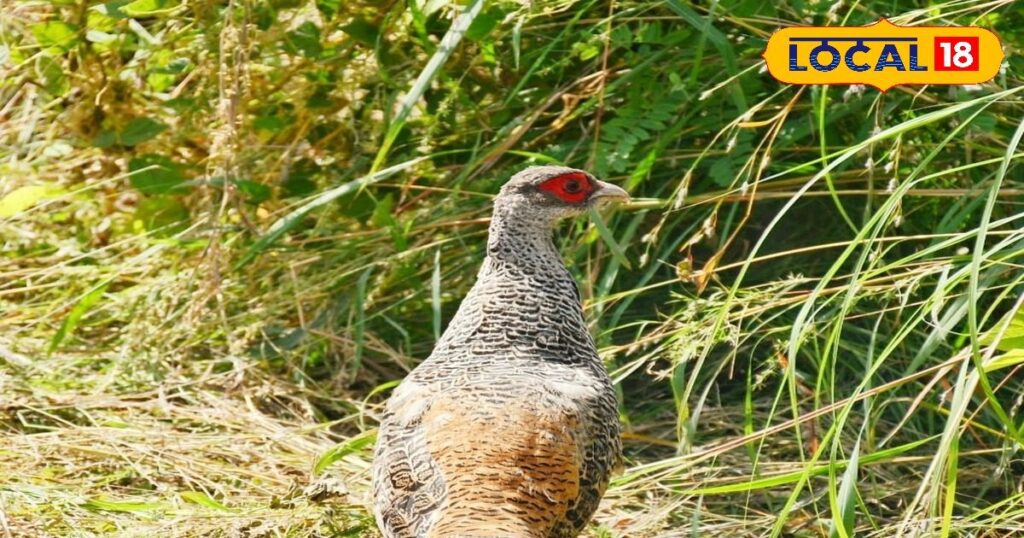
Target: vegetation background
230, 227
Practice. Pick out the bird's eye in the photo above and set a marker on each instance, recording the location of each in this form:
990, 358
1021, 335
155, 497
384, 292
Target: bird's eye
571, 188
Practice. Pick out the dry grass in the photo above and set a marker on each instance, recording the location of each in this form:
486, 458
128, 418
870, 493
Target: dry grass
800, 303
202, 454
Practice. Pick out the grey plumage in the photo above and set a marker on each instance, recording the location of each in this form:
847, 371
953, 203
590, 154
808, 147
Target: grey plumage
510, 426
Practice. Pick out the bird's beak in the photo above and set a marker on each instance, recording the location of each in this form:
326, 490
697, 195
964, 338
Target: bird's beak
607, 191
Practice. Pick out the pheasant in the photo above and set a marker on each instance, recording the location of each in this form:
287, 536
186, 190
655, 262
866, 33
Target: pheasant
510, 426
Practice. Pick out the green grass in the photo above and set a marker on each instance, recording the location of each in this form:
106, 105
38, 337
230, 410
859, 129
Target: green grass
229, 230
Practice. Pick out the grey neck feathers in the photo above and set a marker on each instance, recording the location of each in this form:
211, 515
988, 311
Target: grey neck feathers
518, 237
525, 303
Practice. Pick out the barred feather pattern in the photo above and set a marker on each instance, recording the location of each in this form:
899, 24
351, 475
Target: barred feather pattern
510, 427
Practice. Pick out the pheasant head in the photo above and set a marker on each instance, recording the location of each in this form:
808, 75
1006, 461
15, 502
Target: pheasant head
532, 202
547, 194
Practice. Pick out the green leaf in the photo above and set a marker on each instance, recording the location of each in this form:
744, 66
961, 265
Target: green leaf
140, 130
722, 172
147, 8
270, 125
382, 212
155, 174
358, 205
24, 198
99, 19
301, 178
320, 98
484, 23
122, 506
202, 499
112, 9
164, 69
419, 25
622, 37
255, 191
985, 123
55, 36
136, 132
161, 215
362, 31
52, 72
360, 322
1009, 340
586, 50
298, 185
328, 7
351, 446
176, 66
160, 82
305, 40
609, 238
1012, 357
105, 138
84, 304
847, 498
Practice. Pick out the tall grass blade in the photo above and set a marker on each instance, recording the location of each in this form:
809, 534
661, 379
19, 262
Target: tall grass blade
435, 295
336, 453
81, 307
433, 67
844, 506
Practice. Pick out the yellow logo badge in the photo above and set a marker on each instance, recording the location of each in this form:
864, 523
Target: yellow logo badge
883, 55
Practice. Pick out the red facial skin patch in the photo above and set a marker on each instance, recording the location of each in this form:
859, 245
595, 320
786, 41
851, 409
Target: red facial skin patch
571, 188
